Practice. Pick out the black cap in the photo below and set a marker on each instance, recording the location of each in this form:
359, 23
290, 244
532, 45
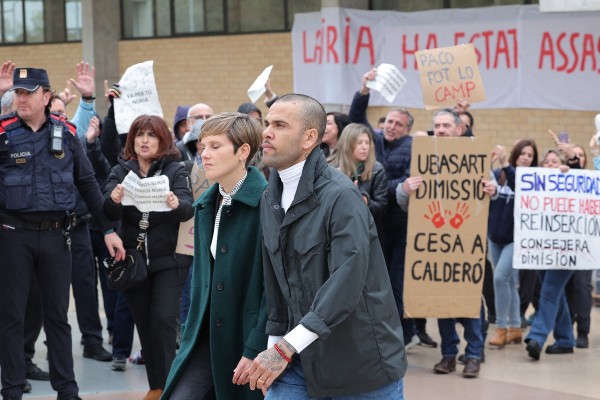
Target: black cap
30, 79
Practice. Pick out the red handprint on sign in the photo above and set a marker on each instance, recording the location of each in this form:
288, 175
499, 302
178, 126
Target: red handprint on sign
461, 215
436, 217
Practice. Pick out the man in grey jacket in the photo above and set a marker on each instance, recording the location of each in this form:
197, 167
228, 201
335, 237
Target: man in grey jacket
332, 314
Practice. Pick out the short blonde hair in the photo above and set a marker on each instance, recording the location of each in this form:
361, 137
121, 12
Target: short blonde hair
239, 129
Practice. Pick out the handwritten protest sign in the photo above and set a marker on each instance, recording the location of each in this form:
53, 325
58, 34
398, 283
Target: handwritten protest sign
447, 228
185, 240
258, 88
388, 81
138, 96
557, 219
449, 74
147, 194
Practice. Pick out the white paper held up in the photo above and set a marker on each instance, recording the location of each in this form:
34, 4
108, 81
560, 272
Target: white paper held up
388, 81
257, 89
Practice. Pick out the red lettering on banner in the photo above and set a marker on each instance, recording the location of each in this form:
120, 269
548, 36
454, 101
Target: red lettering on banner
496, 45
406, 51
365, 31
432, 43
461, 91
346, 40
326, 41
582, 52
331, 39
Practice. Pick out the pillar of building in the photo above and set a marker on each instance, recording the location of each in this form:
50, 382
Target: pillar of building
101, 31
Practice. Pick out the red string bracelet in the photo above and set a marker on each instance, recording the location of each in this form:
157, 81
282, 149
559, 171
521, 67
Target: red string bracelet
282, 354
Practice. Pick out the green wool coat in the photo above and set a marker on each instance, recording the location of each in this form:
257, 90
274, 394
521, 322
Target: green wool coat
227, 293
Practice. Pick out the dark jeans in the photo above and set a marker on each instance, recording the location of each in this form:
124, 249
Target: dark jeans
155, 307
45, 254
394, 250
450, 339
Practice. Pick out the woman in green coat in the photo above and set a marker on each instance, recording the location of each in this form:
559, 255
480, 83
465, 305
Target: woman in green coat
225, 328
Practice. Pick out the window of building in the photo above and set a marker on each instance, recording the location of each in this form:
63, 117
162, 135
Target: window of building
40, 21
73, 19
193, 17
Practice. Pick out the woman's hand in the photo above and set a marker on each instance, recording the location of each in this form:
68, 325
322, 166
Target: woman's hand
172, 200
117, 194
240, 373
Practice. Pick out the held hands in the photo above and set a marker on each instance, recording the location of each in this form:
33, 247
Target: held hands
172, 200
6, 76
462, 105
117, 194
115, 246
268, 365
84, 82
240, 373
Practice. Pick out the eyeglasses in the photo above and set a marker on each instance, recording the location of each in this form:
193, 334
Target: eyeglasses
197, 117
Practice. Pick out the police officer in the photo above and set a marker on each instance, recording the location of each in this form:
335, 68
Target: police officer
41, 163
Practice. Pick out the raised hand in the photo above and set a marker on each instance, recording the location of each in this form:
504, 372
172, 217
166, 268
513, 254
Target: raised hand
84, 81
6, 76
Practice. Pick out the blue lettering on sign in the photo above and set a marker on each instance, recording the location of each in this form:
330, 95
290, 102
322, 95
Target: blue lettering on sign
560, 183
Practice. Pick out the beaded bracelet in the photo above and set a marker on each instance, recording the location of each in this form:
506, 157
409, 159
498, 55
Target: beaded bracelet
282, 354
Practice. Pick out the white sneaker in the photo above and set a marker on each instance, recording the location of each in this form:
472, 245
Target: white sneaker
413, 342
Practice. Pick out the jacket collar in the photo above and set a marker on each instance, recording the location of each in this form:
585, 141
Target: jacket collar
313, 168
249, 194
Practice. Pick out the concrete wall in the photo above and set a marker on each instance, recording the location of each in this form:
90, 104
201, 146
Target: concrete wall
219, 69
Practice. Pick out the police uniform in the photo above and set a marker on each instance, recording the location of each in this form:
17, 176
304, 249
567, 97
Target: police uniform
38, 175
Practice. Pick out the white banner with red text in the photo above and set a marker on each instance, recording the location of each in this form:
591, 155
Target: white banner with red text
527, 59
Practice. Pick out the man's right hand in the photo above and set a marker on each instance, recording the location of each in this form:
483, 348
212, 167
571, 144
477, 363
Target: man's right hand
369, 76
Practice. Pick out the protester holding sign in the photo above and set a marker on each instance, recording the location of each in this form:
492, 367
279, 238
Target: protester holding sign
447, 123
553, 310
225, 329
149, 154
500, 241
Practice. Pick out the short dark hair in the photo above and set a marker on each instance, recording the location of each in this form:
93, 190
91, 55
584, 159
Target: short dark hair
313, 114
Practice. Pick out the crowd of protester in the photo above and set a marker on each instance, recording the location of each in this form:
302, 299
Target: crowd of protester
179, 304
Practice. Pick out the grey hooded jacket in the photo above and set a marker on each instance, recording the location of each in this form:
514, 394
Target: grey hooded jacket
324, 268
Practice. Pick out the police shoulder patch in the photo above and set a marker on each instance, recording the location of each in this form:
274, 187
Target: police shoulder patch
8, 122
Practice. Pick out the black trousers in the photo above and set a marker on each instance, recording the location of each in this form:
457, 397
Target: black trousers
44, 254
155, 309
34, 320
85, 292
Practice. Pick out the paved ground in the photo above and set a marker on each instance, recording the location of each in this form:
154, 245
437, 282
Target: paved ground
507, 374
